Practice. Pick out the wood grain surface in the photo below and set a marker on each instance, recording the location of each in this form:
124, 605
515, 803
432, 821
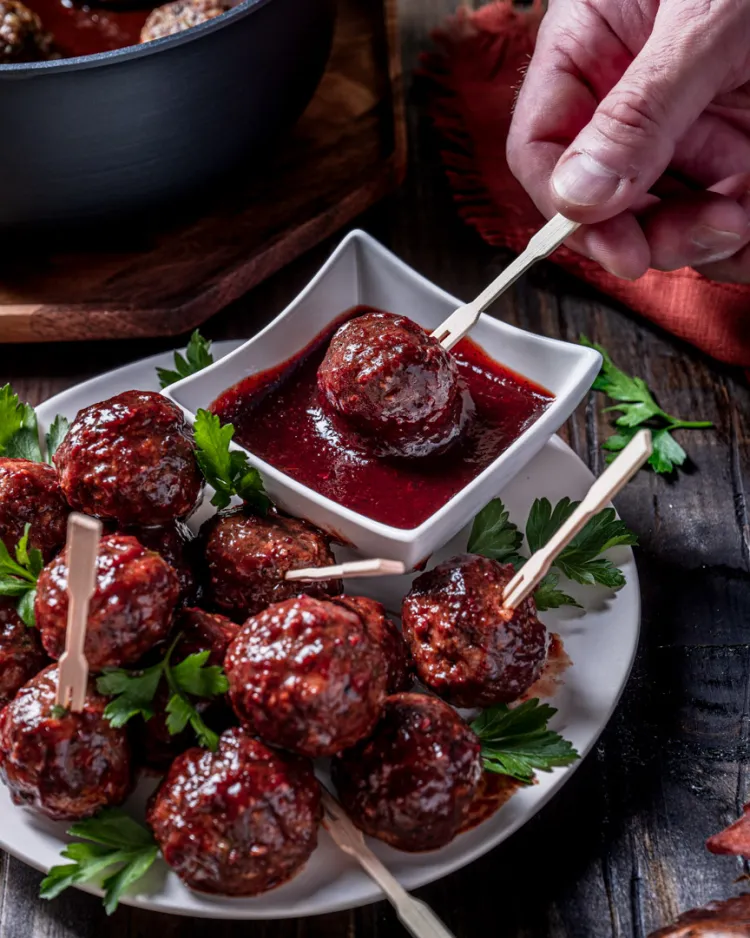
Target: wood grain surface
619, 852
163, 277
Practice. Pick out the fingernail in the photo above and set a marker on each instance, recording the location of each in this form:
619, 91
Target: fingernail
582, 180
715, 244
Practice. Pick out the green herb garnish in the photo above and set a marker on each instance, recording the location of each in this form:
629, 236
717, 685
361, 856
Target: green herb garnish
133, 692
227, 470
637, 408
55, 435
111, 839
18, 576
19, 433
516, 741
197, 357
494, 535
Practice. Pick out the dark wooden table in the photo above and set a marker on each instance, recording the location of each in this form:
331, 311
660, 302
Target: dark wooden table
620, 850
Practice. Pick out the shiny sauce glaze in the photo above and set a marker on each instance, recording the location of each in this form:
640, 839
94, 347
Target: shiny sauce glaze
278, 416
83, 29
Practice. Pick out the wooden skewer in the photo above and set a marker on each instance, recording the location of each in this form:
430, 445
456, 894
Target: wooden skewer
600, 494
73, 668
416, 915
353, 568
541, 245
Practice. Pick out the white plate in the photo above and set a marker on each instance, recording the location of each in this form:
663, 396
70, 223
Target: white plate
602, 645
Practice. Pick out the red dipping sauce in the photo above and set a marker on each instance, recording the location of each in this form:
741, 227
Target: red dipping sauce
278, 417
80, 29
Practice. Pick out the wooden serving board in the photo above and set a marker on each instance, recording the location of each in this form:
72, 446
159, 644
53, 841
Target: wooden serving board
347, 151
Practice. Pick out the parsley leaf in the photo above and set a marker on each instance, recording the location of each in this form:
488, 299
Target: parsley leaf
133, 692
55, 435
19, 433
493, 535
111, 839
637, 407
516, 741
227, 470
548, 596
544, 521
18, 576
198, 356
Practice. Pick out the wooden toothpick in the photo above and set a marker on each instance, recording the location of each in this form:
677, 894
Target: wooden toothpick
73, 668
541, 245
600, 494
416, 915
346, 571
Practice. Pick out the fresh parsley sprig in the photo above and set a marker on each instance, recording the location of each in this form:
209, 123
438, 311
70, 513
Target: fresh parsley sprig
18, 576
635, 403
55, 435
110, 840
227, 470
197, 357
516, 741
19, 429
494, 535
133, 692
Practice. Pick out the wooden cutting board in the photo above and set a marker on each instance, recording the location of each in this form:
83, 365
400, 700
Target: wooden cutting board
347, 151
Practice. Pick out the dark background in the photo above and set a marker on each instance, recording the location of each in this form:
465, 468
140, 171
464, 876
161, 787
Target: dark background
620, 851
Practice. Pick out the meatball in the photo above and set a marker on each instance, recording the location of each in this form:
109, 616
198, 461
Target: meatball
130, 609
238, 821
306, 676
201, 631
179, 15
177, 545
467, 647
412, 783
30, 493
21, 652
22, 36
248, 555
385, 634
130, 459
66, 766
393, 383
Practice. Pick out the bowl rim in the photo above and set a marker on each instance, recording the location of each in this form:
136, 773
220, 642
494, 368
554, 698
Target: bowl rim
76, 63
402, 536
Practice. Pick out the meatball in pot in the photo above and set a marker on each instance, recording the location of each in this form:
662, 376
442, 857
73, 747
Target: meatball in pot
66, 766
30, 493
306, 676
412, 782
130, 610
22, 36
247, 556
238, 821
180, 15
466, 645
130, 459
393, 383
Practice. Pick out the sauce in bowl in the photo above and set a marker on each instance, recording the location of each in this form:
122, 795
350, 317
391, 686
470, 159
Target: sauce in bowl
278, 417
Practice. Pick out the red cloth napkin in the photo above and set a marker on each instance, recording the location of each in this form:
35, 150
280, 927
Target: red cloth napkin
475, 72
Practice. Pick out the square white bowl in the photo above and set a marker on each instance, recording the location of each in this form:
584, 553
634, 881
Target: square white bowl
362, 272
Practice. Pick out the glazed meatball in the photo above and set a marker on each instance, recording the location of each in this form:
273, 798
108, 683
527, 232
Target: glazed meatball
65, 766
238, 821
306, 676
30, 493
248, 555
21, 652
385, 634
22, 36
390, 381
179, 15
130, 459
201, 631
130, 610
467, 647
412, 783
176, 543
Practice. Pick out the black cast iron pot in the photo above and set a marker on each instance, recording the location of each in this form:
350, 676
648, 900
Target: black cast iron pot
91, 138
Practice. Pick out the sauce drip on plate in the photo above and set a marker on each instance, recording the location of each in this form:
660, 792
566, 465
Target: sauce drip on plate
278, 417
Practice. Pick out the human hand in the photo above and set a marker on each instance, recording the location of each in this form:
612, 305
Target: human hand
634, 118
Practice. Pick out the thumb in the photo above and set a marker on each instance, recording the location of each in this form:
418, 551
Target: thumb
631, 137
